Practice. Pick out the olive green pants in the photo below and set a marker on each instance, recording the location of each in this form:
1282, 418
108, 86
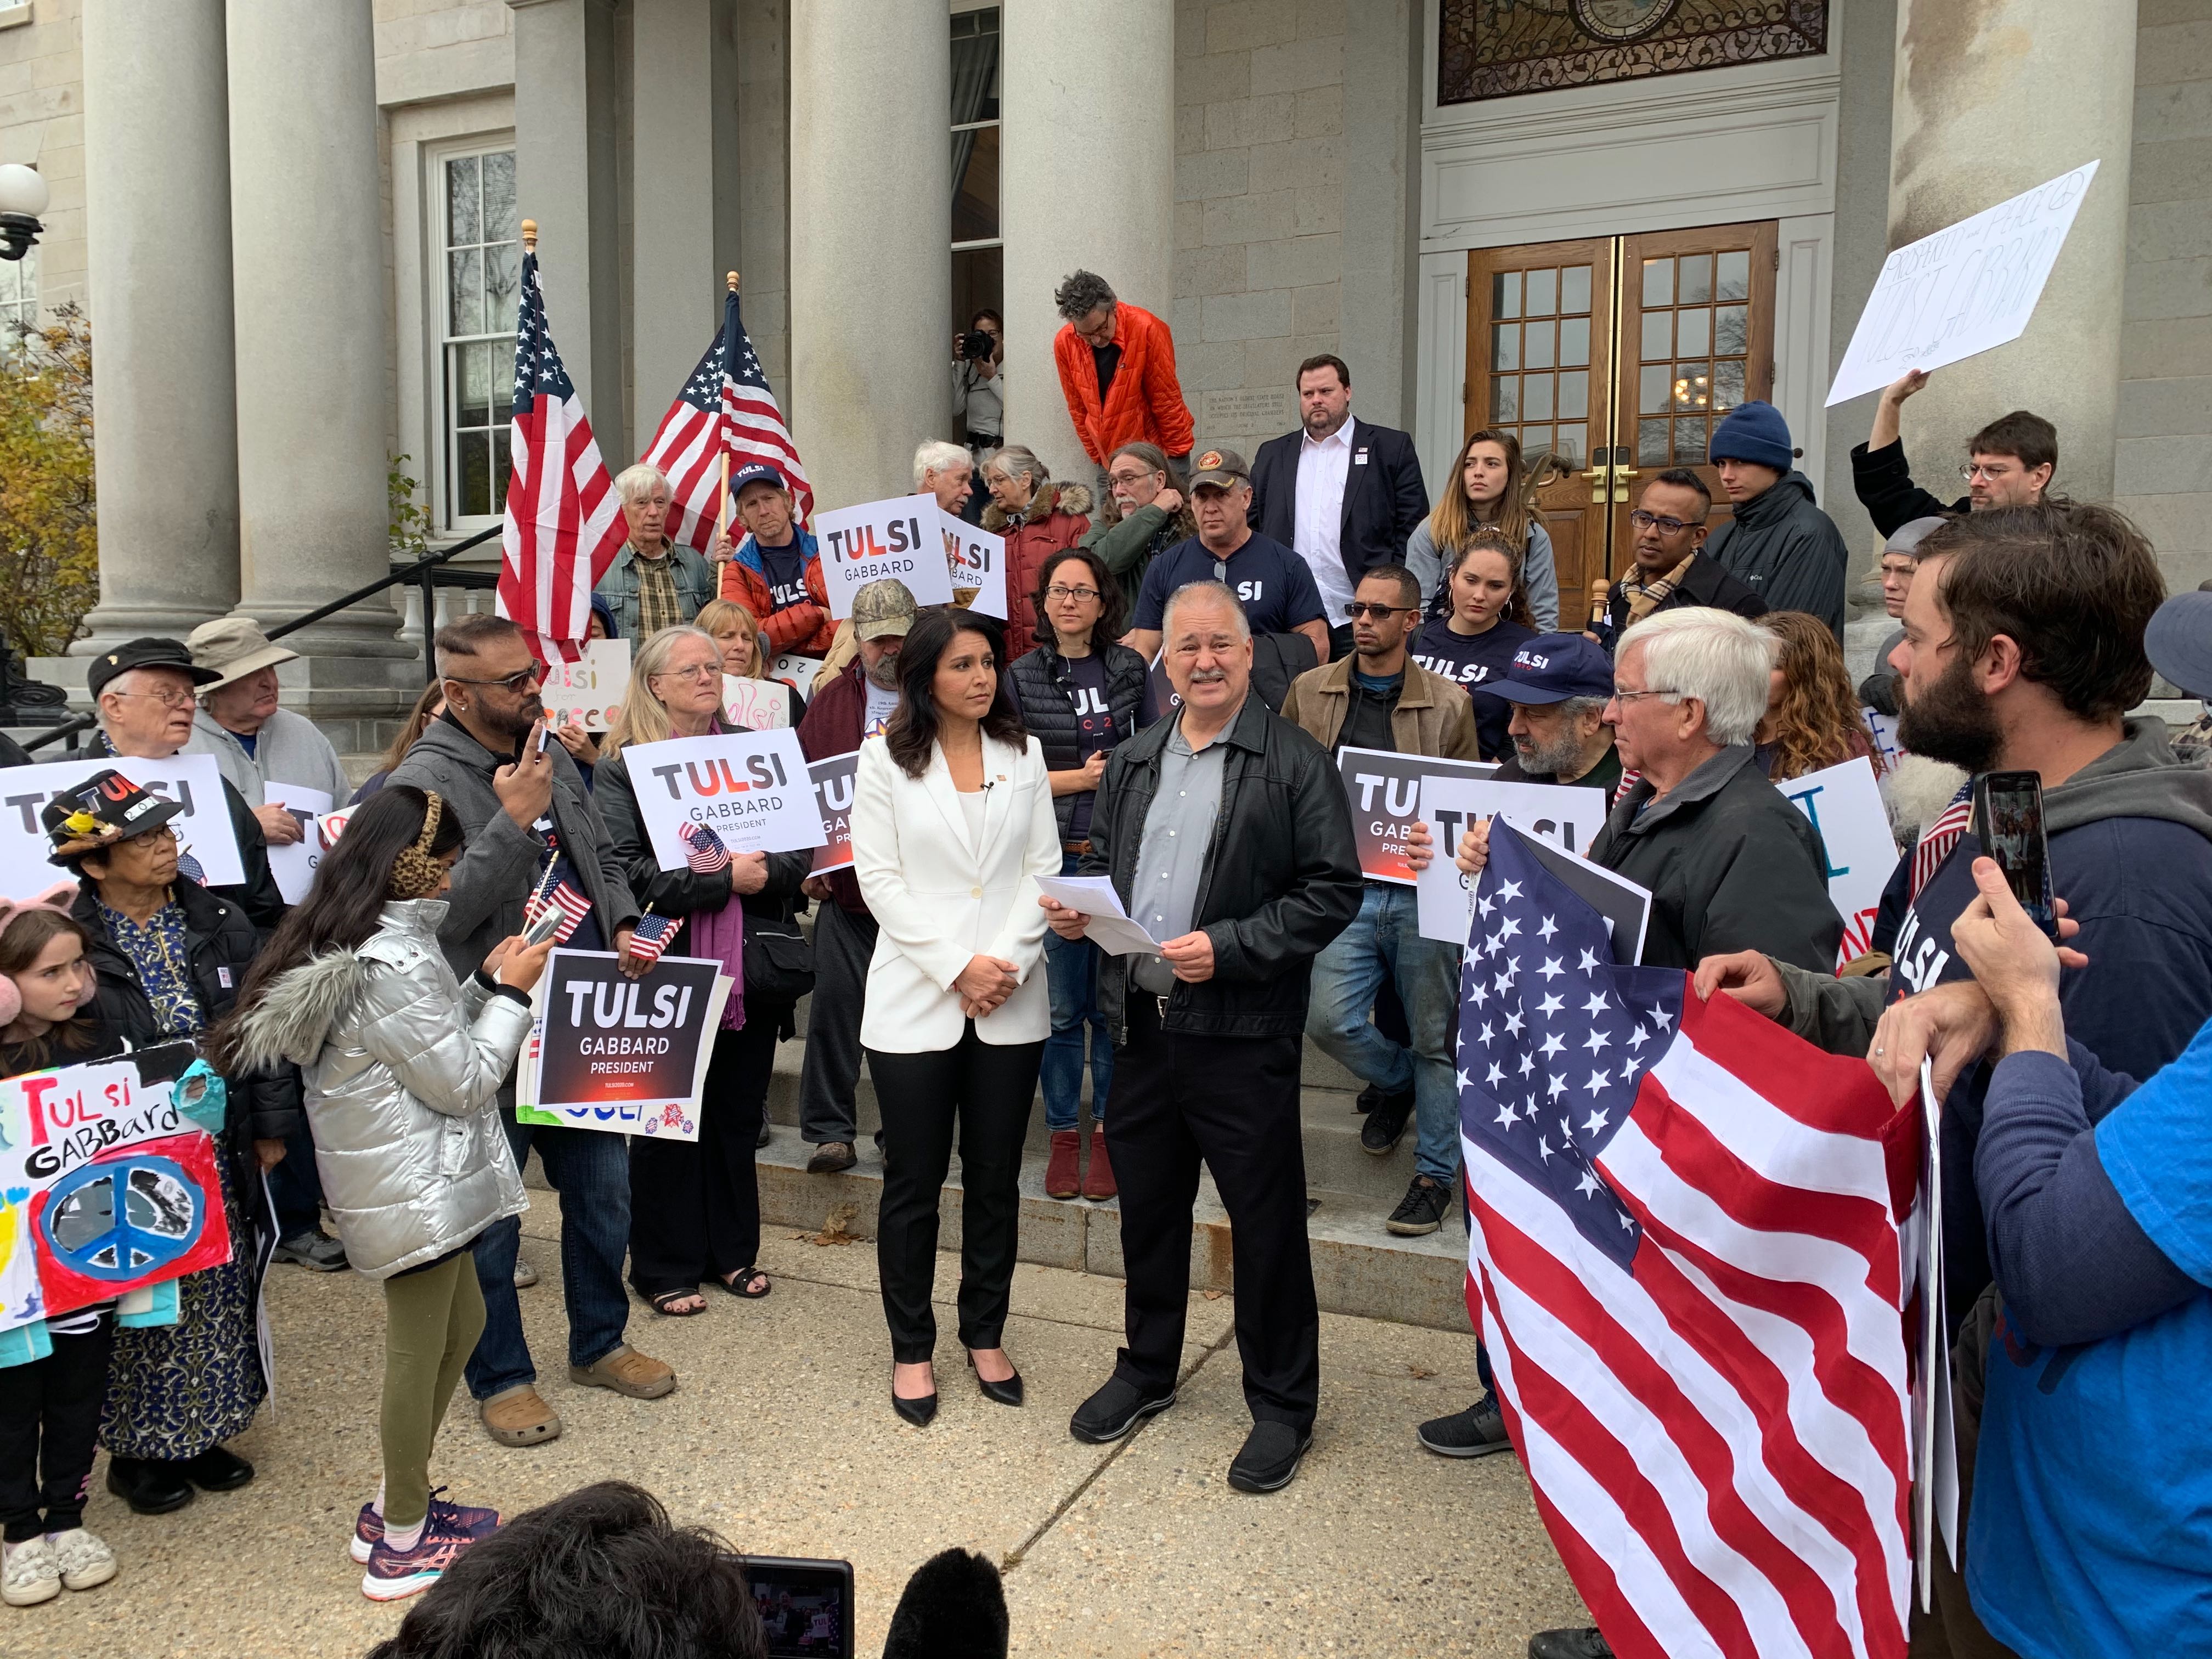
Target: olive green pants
431, 1322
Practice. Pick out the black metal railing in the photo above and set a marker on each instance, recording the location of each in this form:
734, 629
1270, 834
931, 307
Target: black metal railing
423, 571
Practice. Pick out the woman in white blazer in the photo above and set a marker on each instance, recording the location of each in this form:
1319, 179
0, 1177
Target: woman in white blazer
952, 823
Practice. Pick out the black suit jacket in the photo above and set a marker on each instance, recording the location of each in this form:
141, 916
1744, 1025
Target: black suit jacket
1384, 500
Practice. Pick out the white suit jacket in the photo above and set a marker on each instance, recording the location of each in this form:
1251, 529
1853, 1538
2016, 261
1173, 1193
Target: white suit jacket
939, 900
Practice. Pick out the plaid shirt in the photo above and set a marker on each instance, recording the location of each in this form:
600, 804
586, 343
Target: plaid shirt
658, 606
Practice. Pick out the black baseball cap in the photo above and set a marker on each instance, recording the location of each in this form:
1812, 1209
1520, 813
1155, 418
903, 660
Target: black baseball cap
106, 808
152, 652
753, 472
1552, 667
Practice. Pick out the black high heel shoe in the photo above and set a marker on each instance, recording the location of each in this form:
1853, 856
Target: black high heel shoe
920, 1412
1008, 1392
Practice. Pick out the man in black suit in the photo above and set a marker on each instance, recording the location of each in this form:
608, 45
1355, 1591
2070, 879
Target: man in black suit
1344, 493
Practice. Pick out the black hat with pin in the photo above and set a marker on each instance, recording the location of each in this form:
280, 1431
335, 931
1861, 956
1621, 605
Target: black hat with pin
104, 809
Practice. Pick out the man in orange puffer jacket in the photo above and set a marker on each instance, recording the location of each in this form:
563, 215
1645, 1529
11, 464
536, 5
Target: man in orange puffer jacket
774, 572
1117, 370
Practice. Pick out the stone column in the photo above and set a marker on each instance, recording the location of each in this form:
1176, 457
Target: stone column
568, 71
157, 189
313, 346
871, 238
1087, 182
1992, 99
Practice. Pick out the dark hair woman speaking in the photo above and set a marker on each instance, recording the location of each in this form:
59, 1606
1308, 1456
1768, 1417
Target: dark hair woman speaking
952, 823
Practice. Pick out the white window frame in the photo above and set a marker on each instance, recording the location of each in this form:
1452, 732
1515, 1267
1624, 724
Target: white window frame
436, 471
25, 308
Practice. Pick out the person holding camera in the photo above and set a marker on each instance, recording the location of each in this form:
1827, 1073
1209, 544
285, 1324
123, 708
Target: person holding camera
978, 393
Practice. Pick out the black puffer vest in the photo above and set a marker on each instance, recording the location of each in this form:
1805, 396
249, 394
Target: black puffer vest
1040, 679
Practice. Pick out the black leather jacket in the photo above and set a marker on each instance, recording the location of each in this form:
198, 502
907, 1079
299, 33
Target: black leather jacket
1282, 874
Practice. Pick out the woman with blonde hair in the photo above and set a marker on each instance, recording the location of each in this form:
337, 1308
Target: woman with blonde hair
1812, 718
1487, 492
750, 697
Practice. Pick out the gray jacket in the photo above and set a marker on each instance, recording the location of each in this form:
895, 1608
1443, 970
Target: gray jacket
289, 749
402, 1066
1785, 549
502, 859
1539, 573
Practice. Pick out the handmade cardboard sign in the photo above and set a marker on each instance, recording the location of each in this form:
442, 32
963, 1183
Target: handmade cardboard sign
833, 778
629, 1056
900, 537
587, 694
1967, 288
1384, 790
1566, 816
755, 705
751, 788
1844, 806
203, 827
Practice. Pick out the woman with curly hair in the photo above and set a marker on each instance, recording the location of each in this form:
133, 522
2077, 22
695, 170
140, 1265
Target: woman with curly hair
1812, 718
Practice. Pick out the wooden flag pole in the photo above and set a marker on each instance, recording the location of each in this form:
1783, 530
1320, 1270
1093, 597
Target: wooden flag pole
722, 528
530, 236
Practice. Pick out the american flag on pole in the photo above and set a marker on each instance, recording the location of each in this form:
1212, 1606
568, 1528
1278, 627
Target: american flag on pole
726, 406
564, 524
1683, 1262
573, 906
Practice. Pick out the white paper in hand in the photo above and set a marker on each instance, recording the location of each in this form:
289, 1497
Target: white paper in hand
1111, 929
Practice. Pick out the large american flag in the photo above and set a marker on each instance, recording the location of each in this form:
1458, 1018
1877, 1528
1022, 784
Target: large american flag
564, 524
726, 406
1683, 1262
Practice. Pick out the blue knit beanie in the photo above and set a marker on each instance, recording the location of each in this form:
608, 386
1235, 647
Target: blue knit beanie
1754, 432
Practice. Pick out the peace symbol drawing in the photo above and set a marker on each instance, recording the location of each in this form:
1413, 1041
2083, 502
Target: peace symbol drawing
123, 1218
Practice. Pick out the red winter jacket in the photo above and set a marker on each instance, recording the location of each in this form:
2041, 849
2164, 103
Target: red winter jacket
805, 628
1058, 517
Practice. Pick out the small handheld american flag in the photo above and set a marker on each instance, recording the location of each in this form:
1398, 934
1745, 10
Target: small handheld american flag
573, 906
653, 935
189, 867
702, 850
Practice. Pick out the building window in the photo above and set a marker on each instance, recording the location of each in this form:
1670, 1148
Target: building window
19, 296
479, 278
978, 251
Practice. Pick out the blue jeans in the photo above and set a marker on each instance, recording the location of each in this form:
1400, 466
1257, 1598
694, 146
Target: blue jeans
1384, 941
591, 1171
1071, 968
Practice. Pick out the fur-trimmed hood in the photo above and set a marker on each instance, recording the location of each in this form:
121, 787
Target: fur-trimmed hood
299, 1008
1064, 496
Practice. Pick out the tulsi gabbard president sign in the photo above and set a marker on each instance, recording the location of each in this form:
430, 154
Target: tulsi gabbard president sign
751, 788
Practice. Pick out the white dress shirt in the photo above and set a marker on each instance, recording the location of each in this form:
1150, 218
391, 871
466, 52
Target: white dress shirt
1318, 527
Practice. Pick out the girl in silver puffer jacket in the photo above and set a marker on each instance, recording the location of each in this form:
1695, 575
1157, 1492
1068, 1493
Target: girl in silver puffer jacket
403, 1068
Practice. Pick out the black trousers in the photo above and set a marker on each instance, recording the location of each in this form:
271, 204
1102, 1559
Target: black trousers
1232, 1102
49, 1417
695, 1206
844, 944
988, 1087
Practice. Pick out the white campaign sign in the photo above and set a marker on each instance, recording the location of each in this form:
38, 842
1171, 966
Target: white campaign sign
1884, 729
1843, 805
757, 705
795, 670
588, 692
1563, 815
976, 559
752, 788
866, 543
294, 867
203, 827
1962, 290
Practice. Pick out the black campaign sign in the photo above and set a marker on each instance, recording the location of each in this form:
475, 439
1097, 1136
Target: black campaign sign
616, 1042
1384, 791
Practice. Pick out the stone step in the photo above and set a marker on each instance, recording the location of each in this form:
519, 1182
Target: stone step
1358, 1268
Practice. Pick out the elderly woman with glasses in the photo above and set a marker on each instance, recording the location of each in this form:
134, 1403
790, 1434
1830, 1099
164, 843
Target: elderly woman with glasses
695, 1205
169, 956
1038, 518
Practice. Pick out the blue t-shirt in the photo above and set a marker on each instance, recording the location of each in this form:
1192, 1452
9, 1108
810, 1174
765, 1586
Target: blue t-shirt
1468, 659
784, 569
2092, 1525
247, 741
1275, 584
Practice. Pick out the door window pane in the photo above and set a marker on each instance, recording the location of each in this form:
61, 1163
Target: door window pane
1734, 277
1536, 396
1534, 439
1570, 446
1506, 294
1574, 342
1506, 345
1537, 344
1658, 281
1732, 330
1574, 290
1505, 398
1574, 395
1658, 336
1651, 443
1543, 293
1693, 385
1690, 441
1697, 278
1727, 384
1693, 332
1654, 390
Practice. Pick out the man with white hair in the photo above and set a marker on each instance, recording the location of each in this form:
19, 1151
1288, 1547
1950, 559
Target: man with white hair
1730, 864
945, 470
654, 583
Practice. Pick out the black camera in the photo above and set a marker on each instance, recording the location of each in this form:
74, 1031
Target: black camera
976, 346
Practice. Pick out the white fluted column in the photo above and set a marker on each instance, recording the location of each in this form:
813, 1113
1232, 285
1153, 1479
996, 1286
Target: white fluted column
313, 346
157, 212
1990, 100
1087, 182
870, 265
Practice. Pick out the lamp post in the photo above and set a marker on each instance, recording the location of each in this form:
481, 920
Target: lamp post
23, 197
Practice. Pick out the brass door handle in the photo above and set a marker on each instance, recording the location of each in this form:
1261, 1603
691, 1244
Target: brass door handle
1600, 479
1621, 475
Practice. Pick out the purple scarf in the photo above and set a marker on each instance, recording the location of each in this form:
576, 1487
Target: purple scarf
720, 934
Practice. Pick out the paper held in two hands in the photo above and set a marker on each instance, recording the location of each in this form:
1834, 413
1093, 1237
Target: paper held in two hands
1111, 929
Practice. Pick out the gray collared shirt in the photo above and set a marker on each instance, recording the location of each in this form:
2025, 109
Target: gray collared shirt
1171, 858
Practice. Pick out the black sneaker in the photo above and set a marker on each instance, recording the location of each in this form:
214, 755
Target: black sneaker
1270, 1459
1422, 1209
1475, 1432
313, 1249
1386, 1123
1114, 1411
1368, 1099
1583, 1643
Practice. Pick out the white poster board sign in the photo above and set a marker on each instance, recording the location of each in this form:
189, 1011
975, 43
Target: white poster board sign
588, 692
1963, 290
1883, 727
757, 705
900, 539
976, 559
294, 867
751, 788
796, 671
1565, 815
203, 827
1844, 806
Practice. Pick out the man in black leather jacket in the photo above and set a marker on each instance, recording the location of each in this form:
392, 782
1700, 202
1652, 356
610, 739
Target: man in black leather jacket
1225, 832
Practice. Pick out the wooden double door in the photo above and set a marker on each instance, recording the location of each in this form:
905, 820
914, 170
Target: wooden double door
1610, 359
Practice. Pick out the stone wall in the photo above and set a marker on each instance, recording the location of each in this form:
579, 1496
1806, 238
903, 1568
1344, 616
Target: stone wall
2162, 465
